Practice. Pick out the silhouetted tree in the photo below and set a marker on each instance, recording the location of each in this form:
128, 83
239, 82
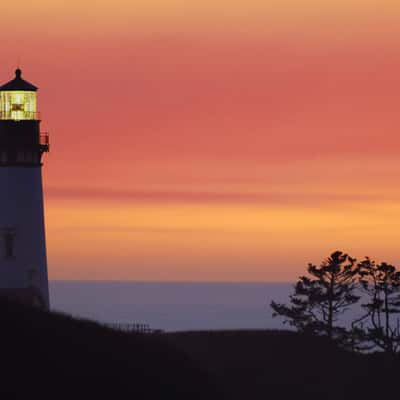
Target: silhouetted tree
319, 299
381, 283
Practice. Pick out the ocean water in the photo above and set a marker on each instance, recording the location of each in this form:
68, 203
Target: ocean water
172, 306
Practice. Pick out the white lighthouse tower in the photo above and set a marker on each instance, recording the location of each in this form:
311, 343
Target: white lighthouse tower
23, 263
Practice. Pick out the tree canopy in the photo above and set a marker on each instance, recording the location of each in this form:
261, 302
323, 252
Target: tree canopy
321, 298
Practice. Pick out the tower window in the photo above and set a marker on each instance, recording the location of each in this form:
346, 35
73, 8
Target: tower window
9, 242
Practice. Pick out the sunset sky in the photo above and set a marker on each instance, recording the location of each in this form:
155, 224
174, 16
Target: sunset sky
213, 139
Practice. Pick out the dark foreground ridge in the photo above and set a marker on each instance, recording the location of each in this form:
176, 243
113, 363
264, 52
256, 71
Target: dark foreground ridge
52, 356
280, 365
47, 356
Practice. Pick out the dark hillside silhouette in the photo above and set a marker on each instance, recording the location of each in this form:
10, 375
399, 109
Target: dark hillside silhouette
52, 356
259, 365
48, 356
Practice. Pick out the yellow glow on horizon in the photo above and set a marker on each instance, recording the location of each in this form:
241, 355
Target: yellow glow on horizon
202, 242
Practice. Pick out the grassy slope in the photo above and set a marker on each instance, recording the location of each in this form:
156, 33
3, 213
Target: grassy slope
286, 365
58, 357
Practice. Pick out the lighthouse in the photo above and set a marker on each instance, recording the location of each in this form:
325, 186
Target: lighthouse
23, 261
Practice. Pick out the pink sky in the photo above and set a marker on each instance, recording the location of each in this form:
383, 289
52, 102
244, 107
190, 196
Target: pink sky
213, 141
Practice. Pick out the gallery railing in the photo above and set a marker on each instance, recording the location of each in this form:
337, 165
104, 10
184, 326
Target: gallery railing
19, 115
44, 141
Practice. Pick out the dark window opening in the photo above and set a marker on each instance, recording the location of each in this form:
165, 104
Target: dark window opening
17, 107
9, 245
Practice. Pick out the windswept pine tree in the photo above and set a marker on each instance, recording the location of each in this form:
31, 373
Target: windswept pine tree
322, 296
381, 323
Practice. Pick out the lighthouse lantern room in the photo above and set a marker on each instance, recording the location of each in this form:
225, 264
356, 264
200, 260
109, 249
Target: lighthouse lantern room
23, 263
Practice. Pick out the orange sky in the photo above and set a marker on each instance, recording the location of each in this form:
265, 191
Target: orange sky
216, 140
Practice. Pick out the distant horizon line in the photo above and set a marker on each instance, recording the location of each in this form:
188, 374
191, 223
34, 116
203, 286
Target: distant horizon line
168, 282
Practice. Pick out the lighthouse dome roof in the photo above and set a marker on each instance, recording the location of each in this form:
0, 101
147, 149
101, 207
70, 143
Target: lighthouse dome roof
18, 84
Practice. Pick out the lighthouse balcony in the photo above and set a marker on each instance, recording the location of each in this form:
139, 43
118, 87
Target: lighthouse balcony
27, 139
19, 115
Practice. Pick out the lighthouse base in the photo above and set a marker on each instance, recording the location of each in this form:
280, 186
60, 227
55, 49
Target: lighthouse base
27, 296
